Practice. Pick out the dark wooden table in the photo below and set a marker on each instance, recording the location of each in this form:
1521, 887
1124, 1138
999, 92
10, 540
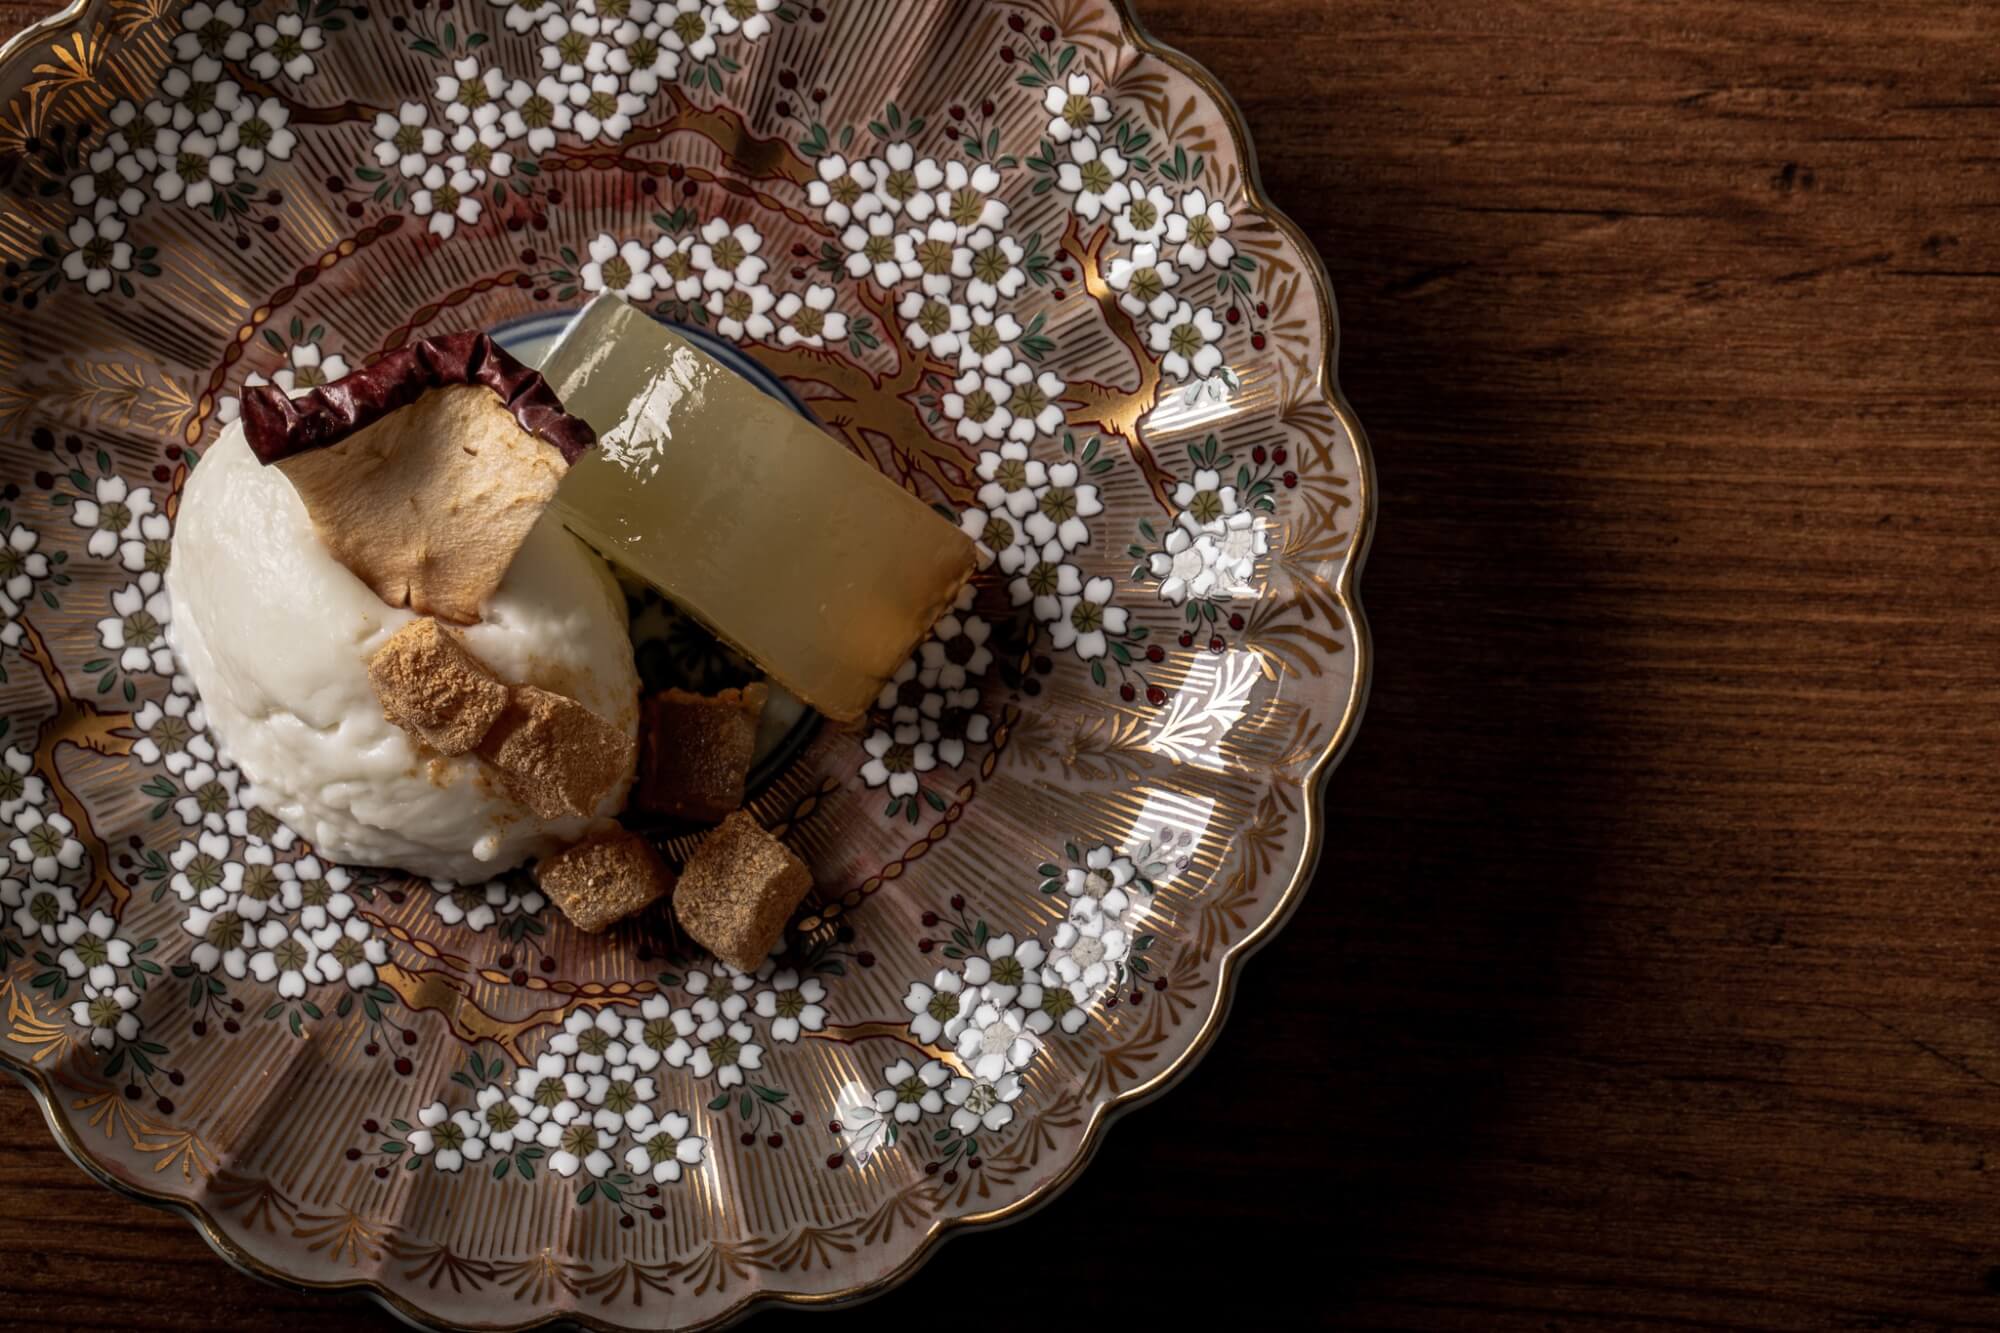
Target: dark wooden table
1651, 978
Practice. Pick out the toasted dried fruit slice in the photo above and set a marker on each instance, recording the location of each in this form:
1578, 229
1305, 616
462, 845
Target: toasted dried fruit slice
695, 751
430, 686
554, 755
604, 879
738, 890
424, 472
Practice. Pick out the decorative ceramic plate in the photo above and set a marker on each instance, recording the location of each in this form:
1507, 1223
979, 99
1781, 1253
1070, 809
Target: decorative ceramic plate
1013, 253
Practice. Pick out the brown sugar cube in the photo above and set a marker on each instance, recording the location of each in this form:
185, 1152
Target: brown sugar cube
604, 879
431, 687
695, 751
554, 755
738, 890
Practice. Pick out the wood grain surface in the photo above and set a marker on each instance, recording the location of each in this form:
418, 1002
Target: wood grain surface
1653, 977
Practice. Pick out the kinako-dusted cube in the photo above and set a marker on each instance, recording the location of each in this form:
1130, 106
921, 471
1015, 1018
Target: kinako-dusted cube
553, 754
431, 687
695, 751
755, 521
603, 879
738, 890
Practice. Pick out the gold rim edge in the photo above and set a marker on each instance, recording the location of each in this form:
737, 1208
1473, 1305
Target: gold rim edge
1312, 786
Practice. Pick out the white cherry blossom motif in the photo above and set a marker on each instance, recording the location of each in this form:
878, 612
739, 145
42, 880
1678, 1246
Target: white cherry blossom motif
1010, 965
553, 1091
939, 1011
406, 141
149, 552
742, 311
1204, 498
43, 908
693, 24
1144, 282
666, 1149
902, 696
602, 108
1239, 540
810, 320
936, 254
449, 1138
447, 198
349, 951
1013, 480
619, 1099
45, 843
949, 720
261, 893
99, 253
20, 786
481, 148
223, 939
469, 91
215, 31
644, 58
967, 201
1197, 228
998, 538
874, 249
191, 169
977, 404
1075, 110
895, 758
911, 1091
722, 1048
793, 1005
989, 342
200, 97
652, 1033
996, 1041
112, 512
111, 185
1093, 177
573, 46
286, 46
843, 190
1101, 879
674, 269
136, 133
92, 950
1188, 338
591, 1040
505, 1119
752, 18
137, 628
979, 1104
286, 957
306, 368
721, 989
1144, 219
727, 256
1064, 504
1044, 581
525, 15
932, 324
474, 906
1033, 402
257, 133
317, 892
536, 112
626, 269
990, 264
208, 793
107, 1013
203, 870
957, 647
1187, 565
905, 183
578, 1145
1086, 618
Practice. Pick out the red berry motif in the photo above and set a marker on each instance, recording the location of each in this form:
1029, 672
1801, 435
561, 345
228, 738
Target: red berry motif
1155, 653
1156, 696
1187, 639
1257, 455
1236, 621
1127, 693
1215, 644
1278, 457
1291, 479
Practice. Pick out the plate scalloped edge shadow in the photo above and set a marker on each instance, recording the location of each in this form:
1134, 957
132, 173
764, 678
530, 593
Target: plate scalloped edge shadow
1346, 592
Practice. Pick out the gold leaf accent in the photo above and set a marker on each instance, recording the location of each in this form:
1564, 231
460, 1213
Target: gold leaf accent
51, 1039
345, 1232
127, 393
